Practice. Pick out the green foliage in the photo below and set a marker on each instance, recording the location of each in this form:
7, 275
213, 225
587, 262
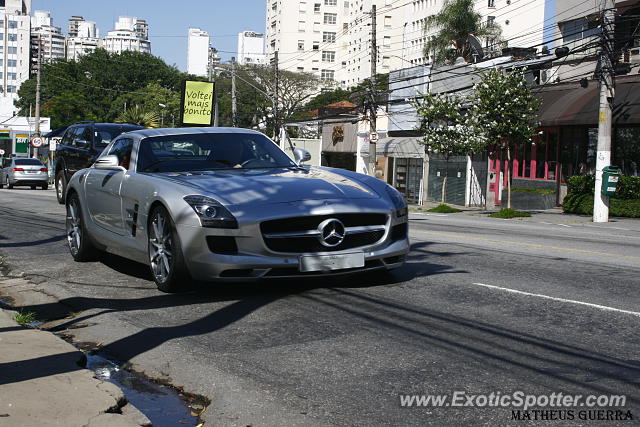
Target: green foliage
582, 204
442, 208
24, 319
628, 186
446, 130
508, 213
139, 116
533, 190
455, 22
506, 109
97, 85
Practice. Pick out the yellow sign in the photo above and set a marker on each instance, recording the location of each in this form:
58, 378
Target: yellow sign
197, 103
603, 117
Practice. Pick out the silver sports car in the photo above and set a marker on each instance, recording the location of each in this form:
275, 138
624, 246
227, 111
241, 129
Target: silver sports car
228, 204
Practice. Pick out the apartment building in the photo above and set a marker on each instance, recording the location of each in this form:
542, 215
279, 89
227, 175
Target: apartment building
522, 23
51, 40
332, 38
85, 39
198, 43
251, 48
129, 34
15, 26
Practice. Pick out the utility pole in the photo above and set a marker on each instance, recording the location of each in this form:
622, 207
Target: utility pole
276, 130
234, 107
372, 108
212, 78
36, 130
603, 158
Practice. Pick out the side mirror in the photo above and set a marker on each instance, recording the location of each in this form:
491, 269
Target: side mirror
108, 163
301, 155
82, 143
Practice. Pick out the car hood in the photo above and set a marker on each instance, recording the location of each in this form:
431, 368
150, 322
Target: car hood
266, 186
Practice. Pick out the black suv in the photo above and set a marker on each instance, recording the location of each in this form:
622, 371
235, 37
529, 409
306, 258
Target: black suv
81, 144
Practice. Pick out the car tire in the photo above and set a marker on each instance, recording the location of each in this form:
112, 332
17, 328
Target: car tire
166, 261
9, 185
78, 240
61, 187
45, 186
1, 184
33, 187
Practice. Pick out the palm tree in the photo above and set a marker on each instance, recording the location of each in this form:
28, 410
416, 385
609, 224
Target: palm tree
454, 24
138, 116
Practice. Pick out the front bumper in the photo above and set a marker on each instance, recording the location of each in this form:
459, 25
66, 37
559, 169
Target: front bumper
254, 260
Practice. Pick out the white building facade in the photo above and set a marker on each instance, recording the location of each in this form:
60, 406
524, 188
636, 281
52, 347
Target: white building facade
15, 29
85, 40
522, 24
52, 41
251, 48
198, 52
333, 37
129, 34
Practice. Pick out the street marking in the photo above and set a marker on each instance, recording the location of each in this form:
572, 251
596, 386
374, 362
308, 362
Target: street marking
570, 301
553, 223
530, 245
608, 228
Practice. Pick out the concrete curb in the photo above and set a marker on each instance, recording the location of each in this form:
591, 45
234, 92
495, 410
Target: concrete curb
43, 383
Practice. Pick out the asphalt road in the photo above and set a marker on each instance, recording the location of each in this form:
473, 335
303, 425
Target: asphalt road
544, 305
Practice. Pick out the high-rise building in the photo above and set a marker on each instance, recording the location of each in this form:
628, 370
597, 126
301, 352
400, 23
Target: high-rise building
129, 34
14, 44
52, 42
86, 40
251, 48
198, 52
72, 26
332, 38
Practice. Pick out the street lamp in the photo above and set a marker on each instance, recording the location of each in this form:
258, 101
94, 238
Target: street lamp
162, 107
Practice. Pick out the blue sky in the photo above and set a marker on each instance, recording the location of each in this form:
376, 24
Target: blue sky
168, 21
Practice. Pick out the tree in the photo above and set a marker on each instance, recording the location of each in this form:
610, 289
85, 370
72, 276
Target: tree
91, 88
447, 130
506, 111
139, 116
455, 22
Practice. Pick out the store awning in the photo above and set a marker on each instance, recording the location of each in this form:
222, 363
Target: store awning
571, 104
401, 147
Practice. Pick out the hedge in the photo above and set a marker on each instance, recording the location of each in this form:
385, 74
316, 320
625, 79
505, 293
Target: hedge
625, 203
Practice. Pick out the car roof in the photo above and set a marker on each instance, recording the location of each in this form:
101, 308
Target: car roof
145, 133
119, 125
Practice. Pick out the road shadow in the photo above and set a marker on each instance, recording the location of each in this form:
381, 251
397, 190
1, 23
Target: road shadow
32, 242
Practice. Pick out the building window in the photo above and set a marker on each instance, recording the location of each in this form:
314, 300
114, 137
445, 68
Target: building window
11, 89
387, 22
12, 63
316, 45
330, 2
330, 18
327, 74
12, 37
491, 3
12, 76
316, 27
491, 20
579, 29
328, 37
303, 6
13, 24
301, 26
300, 44
316, 7
386, 42
300, 69
328, 56
12, 50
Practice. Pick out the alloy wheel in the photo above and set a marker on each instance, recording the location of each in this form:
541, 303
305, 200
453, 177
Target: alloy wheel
59, 189
74, 226
160, 247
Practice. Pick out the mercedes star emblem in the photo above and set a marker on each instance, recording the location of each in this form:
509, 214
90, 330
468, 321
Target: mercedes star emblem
332, 232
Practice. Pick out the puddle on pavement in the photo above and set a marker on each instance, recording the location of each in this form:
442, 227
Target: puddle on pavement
163, 405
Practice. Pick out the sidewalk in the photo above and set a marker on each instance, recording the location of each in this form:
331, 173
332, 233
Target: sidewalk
43, 384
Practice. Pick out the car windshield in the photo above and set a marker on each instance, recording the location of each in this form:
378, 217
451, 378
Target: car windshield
209, 151
104, 134
28, 162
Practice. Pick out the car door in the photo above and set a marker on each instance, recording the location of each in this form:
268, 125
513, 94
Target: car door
102, 189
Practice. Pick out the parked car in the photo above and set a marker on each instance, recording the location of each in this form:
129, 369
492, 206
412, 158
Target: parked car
24, 172
80, 146
229, 204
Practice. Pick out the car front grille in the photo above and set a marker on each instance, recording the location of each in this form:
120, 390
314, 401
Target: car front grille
300, 234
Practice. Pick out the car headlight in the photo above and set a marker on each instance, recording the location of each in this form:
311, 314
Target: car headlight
398, 201
211, 212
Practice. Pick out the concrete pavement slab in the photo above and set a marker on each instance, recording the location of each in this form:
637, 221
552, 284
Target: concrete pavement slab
43, 383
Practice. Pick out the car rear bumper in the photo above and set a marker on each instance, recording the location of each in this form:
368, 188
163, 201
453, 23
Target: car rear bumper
29, 178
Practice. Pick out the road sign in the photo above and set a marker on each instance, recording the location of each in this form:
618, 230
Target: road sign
36, 142
373, 137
